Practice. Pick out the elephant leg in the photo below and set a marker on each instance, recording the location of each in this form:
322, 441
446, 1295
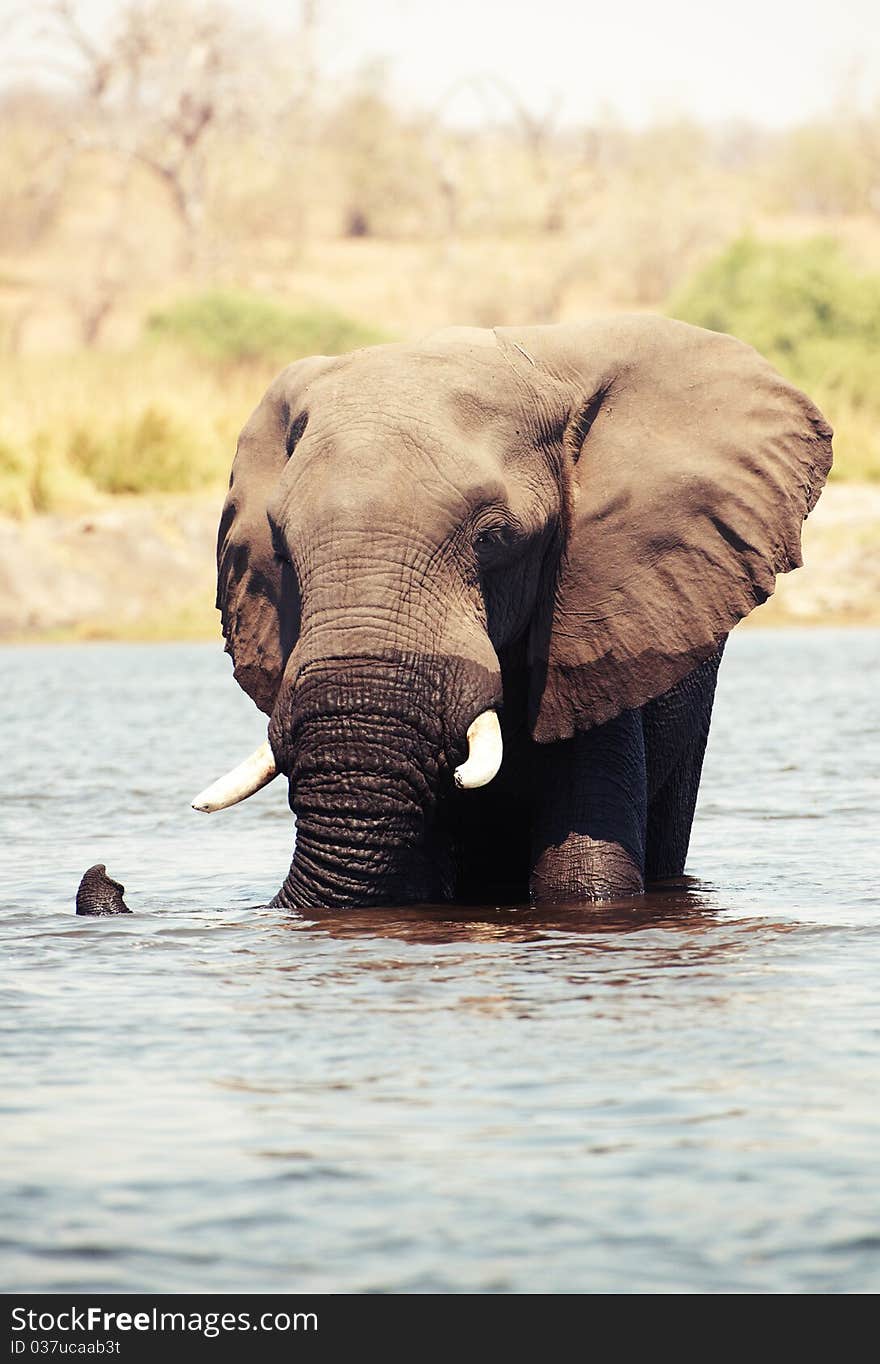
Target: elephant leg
676, 729
589, 825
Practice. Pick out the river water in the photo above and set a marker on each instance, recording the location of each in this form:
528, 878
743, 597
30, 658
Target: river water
213, 1095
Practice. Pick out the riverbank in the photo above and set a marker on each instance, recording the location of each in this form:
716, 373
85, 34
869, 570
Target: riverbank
135, 568
143, 569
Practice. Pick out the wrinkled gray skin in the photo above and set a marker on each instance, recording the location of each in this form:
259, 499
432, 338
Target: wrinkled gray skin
99, 895
562, 523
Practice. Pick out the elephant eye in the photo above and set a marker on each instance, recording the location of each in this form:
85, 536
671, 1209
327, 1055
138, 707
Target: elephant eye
497, 535
490, 541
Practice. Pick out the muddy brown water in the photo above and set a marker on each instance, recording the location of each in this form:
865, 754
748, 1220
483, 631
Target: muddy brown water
678, 1094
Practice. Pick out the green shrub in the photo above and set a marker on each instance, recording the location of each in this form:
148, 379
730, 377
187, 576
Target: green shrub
233, 327
815, 317
35, 478
152, 452
150, 419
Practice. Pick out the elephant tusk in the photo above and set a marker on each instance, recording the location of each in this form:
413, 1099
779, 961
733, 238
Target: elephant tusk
485, 751
256, 771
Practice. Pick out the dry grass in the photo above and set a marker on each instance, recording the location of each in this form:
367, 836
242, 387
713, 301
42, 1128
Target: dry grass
513, 223
145, 420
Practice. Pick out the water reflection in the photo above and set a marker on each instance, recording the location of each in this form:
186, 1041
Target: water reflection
682, 903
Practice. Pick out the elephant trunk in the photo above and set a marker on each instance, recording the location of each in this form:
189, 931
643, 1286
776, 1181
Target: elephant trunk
99, 895
369, 749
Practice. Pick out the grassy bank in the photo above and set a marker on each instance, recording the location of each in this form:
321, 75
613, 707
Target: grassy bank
160, 417
144, 421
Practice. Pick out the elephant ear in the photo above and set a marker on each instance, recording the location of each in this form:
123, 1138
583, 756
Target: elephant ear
693, 465
256, 593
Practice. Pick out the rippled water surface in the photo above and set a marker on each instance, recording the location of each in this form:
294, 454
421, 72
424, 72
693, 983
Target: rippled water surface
681, 1095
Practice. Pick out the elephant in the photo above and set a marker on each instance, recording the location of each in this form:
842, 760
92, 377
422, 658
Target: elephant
99, 895
524, 542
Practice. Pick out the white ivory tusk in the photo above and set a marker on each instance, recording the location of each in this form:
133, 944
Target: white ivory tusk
485, 751
256, 771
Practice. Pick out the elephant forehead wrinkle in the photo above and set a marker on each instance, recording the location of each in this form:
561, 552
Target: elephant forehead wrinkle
375, 591
395, 564
392, 529
473, 409
403, 485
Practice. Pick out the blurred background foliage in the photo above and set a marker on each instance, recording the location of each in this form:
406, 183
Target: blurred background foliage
229, 327
188, 210
815, 316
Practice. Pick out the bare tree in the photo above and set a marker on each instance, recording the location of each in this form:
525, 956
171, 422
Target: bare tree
298, 112
537, 133
157, 87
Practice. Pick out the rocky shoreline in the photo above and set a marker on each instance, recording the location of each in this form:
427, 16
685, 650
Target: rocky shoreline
143, 568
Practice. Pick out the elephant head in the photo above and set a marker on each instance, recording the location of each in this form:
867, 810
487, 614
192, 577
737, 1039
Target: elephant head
552, 523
